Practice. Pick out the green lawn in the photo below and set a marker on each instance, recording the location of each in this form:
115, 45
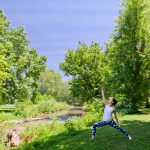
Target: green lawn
7, 113
7, 108
107, 138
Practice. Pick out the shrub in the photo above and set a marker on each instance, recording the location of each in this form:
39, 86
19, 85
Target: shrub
45, 106
51, 106
43, 131
72, 126
40, 97
127, 111
89, 118
26, 109
94, 114
94, 107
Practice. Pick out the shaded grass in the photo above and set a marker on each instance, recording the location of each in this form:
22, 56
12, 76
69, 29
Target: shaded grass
107, 138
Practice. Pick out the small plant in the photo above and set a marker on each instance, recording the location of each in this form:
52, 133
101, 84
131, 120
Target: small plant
71, 126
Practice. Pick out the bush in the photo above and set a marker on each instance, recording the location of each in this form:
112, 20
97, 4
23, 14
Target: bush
40, 97
51, 106
43, 131
127, 111
72, 126
45, 106
75, 124
26, 109
94, 107
94, 114
89, 118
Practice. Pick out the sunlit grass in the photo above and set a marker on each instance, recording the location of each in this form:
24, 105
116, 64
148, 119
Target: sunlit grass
107, 138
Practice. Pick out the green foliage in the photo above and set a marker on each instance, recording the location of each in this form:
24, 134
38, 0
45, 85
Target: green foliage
51, 106
72, 126
56, 135
20, 65
86, 66
7, 113
50, 83
42, 132
64, 93
94, 114
26, 109
128, 54
7, 116
127, 111
136, 125
40, 97
76, 124
96, 106
4, 67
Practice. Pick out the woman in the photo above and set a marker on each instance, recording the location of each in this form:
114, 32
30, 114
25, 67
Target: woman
108, 120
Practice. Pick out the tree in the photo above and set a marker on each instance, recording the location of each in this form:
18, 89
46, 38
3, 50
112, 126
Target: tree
64, 93
128, 53
50, 83
86, 66
4, 67
24, 63
4, 47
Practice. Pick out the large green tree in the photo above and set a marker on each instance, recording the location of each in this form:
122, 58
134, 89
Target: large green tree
86, 66
25, 65
128, 53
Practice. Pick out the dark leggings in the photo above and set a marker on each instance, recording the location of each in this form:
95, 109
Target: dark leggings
111, 123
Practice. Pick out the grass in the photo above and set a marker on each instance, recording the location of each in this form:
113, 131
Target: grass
107, 138
7, 113
7, 108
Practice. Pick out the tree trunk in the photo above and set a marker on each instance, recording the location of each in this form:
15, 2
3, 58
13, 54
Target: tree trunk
134, 106
147, 105
103, 94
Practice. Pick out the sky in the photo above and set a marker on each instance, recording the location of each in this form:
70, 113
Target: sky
54, 26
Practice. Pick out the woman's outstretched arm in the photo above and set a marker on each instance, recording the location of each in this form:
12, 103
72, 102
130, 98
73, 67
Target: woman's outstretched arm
103, 96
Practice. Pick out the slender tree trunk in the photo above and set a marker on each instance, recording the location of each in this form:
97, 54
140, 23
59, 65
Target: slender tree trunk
103, 94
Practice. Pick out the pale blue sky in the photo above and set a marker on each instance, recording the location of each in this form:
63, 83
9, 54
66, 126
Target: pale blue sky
54, 26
